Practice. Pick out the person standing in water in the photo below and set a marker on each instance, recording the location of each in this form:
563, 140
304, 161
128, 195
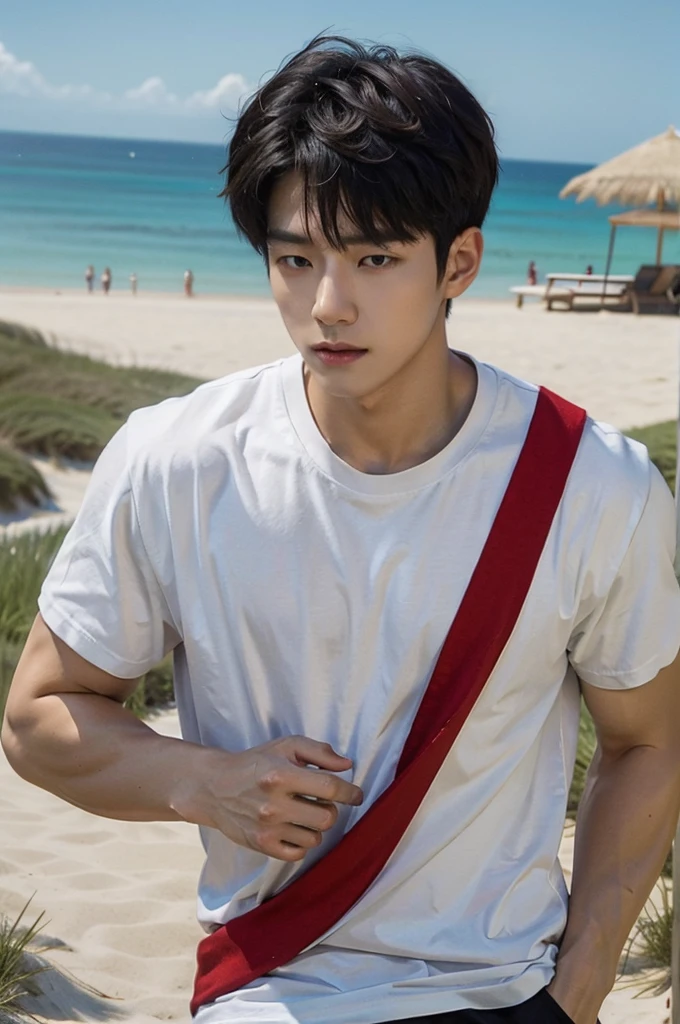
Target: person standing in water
106, 280
188, 283
133, 283
89, 278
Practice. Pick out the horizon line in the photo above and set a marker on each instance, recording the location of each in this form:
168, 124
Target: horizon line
215, 145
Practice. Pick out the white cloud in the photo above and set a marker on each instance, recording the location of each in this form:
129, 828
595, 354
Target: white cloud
153, 92
227, 93
22, 78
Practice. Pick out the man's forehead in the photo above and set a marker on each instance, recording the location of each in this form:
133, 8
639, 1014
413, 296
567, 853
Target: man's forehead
290, 219
293, 218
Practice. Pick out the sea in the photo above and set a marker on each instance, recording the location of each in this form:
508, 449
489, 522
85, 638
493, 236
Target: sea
152, 208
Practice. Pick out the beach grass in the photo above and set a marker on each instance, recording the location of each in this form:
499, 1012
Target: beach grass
64, 406
24, 561
660, 439
31, 368
42, 425
651, 943
17, 977
20, 481
587, 742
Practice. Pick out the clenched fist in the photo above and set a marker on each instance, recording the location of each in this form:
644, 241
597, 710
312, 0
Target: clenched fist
266, 798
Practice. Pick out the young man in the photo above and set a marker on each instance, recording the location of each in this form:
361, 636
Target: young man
302, 535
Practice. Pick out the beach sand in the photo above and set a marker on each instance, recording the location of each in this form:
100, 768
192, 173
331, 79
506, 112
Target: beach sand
622, 368
120, 894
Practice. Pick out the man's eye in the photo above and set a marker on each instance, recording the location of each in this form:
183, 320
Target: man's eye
296, 262
378, 260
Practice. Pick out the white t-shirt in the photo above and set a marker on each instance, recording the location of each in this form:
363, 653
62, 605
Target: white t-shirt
305, 597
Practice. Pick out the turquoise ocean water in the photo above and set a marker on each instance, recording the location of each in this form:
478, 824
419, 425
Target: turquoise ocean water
152, 208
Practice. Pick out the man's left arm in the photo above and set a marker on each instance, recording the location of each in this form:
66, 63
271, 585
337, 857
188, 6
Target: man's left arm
626, 822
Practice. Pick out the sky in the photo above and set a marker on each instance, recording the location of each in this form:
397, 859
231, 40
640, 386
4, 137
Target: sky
572, 81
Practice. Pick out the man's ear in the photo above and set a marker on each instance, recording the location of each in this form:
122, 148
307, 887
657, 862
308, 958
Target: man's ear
463, 263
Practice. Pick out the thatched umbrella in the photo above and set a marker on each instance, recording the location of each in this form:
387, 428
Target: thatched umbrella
648, 173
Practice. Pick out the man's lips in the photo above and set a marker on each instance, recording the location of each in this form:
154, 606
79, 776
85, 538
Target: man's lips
336, 346
338, 354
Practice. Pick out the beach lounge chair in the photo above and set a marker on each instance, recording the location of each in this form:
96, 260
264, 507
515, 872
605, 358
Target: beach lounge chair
577, 290
656, 289
524, 291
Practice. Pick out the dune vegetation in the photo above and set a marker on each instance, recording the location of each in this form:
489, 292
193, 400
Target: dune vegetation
64, 406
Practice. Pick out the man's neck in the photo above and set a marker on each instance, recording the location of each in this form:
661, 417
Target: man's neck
412, 418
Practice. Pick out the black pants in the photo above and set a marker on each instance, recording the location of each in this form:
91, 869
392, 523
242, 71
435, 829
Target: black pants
540, 1009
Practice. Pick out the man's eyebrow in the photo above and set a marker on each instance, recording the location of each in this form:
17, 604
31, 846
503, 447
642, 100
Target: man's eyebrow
280, 235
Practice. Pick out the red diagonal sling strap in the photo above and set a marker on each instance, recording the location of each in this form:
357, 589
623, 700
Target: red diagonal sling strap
280, 928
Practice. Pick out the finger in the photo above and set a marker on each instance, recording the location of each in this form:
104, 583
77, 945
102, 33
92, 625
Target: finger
322, 755
323, 786
295, 835
317, 814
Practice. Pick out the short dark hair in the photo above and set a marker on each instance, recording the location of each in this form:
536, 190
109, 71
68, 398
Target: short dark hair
394, 141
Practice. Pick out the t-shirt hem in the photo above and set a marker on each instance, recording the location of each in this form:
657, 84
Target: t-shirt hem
634, 677
395, 1004
75, 637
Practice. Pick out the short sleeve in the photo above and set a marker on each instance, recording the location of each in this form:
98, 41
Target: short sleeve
629, 629
101, 596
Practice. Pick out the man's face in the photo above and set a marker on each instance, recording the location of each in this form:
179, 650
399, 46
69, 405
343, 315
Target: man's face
358, 316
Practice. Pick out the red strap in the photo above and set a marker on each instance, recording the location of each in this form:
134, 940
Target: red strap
280, 928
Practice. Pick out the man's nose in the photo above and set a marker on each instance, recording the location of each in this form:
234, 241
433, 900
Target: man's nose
334, 303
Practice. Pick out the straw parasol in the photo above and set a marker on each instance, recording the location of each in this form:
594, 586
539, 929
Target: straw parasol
648, 173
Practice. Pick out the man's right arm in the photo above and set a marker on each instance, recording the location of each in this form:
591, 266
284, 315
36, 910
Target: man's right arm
67, 731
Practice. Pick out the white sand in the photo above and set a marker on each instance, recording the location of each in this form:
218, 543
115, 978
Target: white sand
622, 368
121, 894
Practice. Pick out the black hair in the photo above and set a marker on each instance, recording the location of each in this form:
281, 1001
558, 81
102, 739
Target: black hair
395, 142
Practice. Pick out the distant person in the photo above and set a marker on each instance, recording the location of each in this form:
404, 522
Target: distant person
188, 283
89, 278
133, 283
532, 274
589, 269
106, 280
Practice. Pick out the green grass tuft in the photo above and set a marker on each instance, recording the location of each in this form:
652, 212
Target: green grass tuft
64, 405
24, 561
117, 390
660, 440
55, 427
20, 481
651, 943
16, 978
587, 742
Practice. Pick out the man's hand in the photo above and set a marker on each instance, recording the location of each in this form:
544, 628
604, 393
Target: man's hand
66, 730
260, 798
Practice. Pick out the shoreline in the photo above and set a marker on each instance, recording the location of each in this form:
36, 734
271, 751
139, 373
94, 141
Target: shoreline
123, 293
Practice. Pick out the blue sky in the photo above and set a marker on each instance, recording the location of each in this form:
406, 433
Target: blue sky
577, 81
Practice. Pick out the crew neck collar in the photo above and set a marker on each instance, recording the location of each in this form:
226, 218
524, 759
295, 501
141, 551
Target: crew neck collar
416, 477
